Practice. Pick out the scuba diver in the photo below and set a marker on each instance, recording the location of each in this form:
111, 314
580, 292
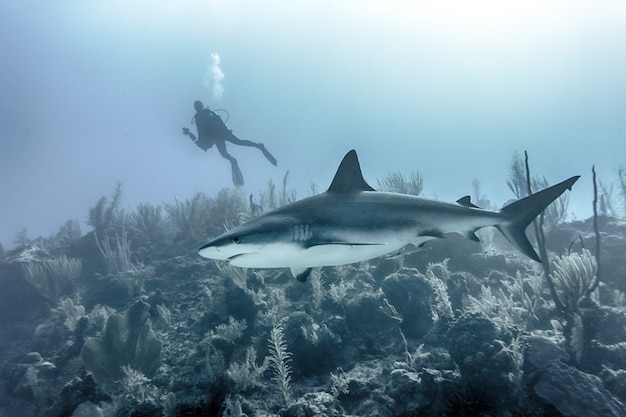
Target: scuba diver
213, 131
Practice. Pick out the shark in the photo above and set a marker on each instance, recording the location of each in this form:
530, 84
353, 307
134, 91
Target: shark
352, 222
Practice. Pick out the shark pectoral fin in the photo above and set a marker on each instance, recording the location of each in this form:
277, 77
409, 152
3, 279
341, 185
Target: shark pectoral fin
301, 274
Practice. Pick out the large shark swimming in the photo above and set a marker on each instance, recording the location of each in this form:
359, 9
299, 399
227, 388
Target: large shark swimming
352, 222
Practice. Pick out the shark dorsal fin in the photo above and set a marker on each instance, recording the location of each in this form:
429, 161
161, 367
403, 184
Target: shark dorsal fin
349, 178
467, 202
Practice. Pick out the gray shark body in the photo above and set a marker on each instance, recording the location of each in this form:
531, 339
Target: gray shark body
351, 222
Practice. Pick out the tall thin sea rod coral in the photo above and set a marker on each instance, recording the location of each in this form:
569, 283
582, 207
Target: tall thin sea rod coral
116, 258
280, 358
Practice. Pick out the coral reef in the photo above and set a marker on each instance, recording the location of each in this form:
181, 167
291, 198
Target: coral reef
137, 325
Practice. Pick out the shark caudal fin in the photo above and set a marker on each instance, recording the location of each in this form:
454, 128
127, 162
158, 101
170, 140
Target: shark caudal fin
519, 214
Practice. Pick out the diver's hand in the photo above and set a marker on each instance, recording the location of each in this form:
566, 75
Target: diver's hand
186, 131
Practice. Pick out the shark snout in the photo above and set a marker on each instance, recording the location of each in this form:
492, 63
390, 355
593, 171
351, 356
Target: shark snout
212, 252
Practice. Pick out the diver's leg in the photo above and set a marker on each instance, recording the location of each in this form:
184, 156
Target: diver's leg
234, 166
236, 141
242, 142
221, 147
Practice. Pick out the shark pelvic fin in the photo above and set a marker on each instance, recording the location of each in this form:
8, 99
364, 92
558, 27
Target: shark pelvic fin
519, 214
348, 178
301, 274
471, 235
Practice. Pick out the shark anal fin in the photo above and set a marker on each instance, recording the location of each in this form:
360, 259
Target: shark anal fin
301, 274
466, 202
431, 233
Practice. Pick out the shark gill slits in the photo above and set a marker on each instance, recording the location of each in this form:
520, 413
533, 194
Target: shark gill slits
301, 233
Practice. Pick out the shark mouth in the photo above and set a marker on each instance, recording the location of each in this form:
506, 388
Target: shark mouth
238, 256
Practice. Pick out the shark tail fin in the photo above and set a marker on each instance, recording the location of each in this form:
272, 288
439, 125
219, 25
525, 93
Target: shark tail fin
519, 214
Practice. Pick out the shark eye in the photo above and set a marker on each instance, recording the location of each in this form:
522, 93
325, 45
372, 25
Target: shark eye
235, 240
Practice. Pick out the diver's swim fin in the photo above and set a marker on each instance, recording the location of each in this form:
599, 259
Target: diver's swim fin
268, 155
237, 175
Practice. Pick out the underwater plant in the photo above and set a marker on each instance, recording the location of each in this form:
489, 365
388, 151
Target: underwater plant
229, 332
279, 359
191, 218
106, 217
437, 275
136, 387
621, 177
339, 383
148, 225
573, 276
72, 313
397, 182
228, 209
527, 292
68, 233
50, 278
520, 183
116, 258
118, 264
478, 197
246, 375
239, 276
271, 199
317, 286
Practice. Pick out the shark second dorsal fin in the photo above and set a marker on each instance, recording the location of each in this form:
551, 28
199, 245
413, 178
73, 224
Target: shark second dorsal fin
348, 178
467, 202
